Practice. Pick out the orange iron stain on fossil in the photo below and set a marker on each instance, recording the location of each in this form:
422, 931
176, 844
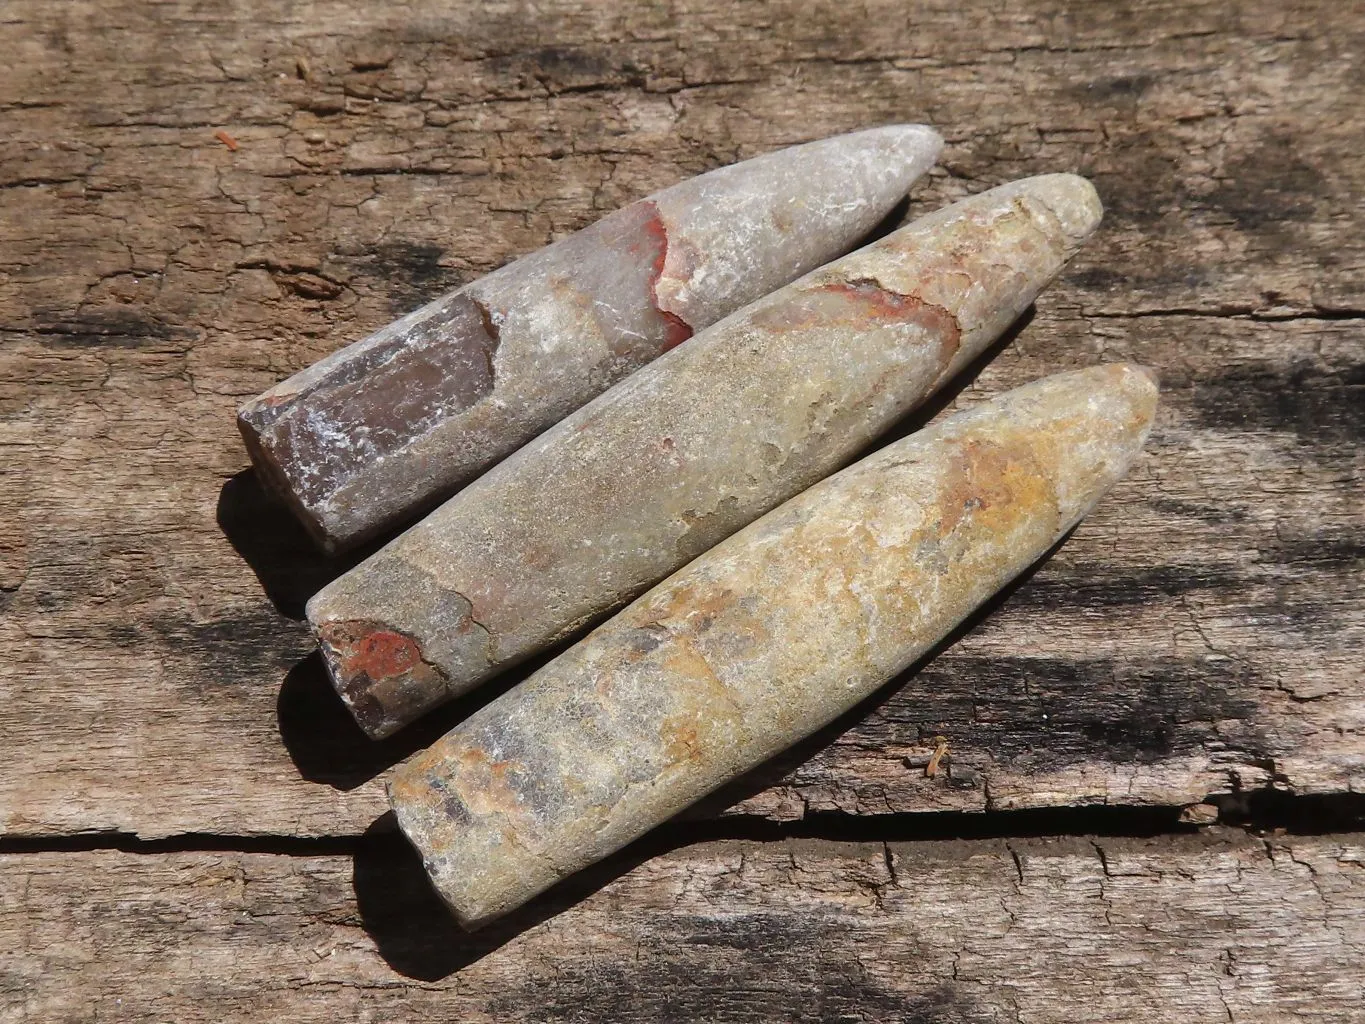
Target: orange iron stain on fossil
386, 670
991, 481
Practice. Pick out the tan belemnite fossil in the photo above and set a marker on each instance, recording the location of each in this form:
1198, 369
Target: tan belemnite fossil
763, 639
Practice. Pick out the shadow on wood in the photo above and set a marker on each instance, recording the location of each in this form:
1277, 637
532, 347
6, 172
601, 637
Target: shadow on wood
289, 566
327, 746
323, 740
415, 933
418, 937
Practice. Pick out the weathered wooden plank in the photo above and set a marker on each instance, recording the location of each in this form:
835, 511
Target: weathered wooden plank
1222, 139
1200, 928
1197, 634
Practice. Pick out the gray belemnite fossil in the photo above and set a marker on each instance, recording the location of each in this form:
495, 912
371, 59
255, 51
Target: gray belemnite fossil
687, 450
387, 427
762, 640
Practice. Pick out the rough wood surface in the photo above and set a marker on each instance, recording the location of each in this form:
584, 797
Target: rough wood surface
1202, 929
199, 199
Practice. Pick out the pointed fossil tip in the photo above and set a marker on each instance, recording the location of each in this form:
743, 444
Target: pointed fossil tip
1147, 373
1072, 200
921, 133
1135, 387
1134, 377
916, 144
1122, 375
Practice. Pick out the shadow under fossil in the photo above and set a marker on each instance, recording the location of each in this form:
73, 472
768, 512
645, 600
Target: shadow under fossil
276, 547
327, 746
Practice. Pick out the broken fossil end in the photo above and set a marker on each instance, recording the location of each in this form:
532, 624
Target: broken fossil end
409, 800
917, 146
275, 481
380, 673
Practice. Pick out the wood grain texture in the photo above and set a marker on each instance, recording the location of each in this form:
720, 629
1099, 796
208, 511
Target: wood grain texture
1204, 928
197, 199
1195, 635
1199, 633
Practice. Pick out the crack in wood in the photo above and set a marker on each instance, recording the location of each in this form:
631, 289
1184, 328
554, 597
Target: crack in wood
1260, 811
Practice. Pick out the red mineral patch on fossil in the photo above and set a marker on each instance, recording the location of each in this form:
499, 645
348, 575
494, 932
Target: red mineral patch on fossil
884, 304
876, 300
386, 654
381, 672
860, 303
376, 652
676, 329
